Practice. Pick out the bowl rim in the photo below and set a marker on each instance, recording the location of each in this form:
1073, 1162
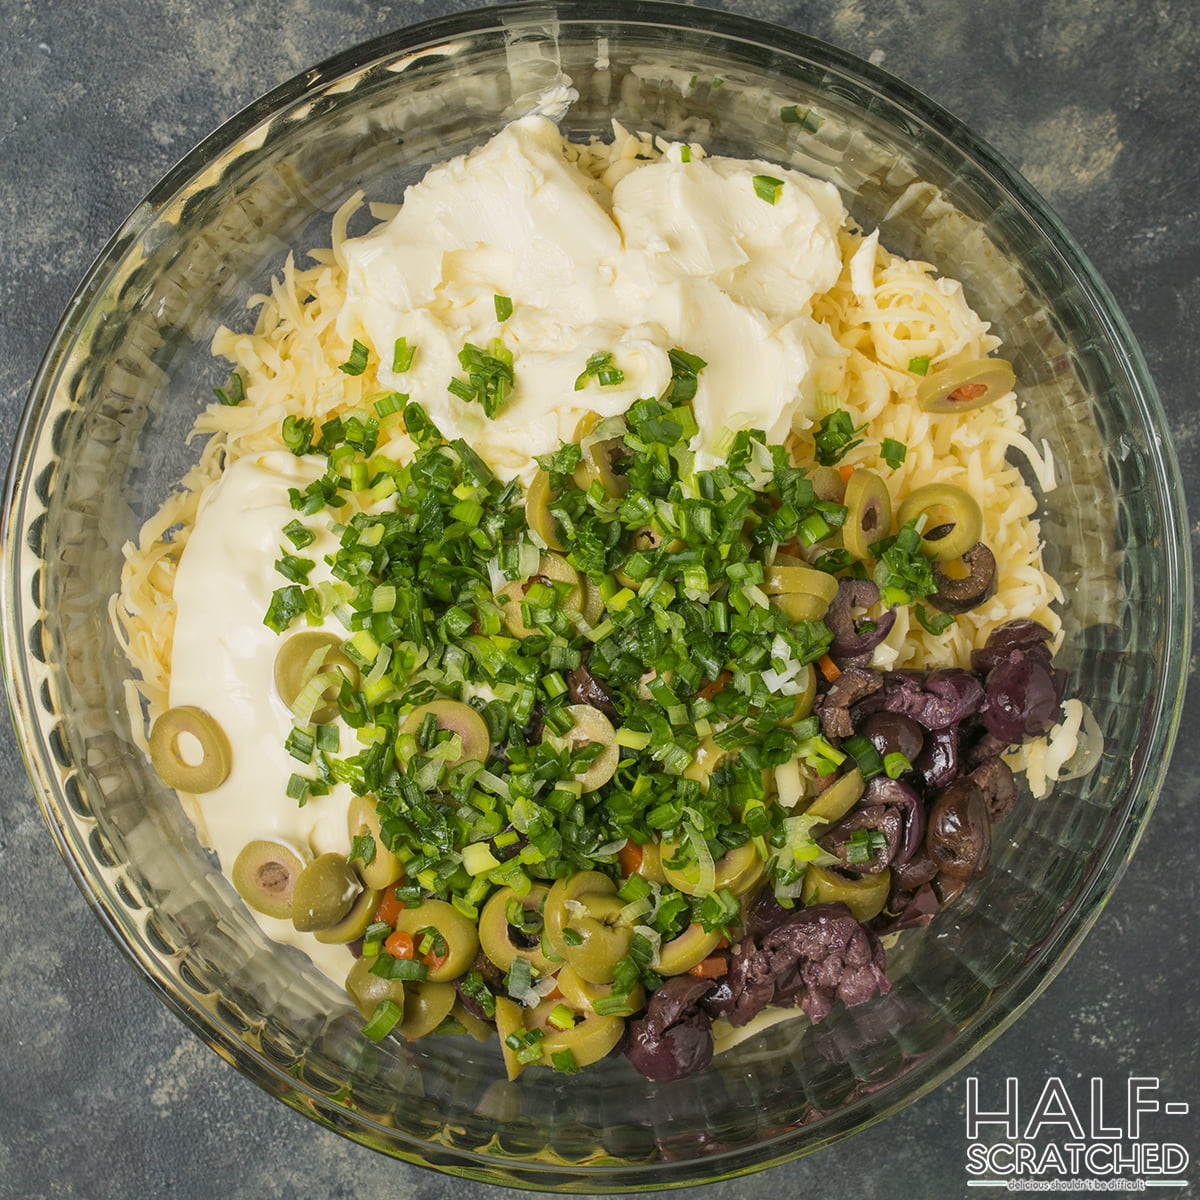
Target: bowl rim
1034, 975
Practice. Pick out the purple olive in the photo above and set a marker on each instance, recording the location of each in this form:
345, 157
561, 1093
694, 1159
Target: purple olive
959, 837
674, 1038
894, 733
866, 855
897, 794
1022, 698
849, 637
938, 763
918, 870
995, 780
1020, 634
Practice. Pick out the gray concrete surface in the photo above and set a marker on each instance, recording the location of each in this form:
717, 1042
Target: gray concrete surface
103, 1093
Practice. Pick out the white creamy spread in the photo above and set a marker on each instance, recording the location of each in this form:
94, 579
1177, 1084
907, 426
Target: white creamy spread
680, 254
688, 255
223, 660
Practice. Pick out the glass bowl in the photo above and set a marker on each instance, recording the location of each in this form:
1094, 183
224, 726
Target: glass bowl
103, 442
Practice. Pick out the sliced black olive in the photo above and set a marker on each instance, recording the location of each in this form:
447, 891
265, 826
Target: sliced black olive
962, 594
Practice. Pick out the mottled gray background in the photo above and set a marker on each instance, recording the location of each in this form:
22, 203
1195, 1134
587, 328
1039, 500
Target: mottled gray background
102, 1092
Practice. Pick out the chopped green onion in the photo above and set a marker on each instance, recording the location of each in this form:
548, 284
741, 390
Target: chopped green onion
233, 393
383, 1020
768, 188
356, 364
919, 364
402, 356
892, 452
504, 307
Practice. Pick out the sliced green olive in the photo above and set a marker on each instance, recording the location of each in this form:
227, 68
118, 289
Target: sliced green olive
954, 520
166, 753
459, 934
537, 511
801, 606
495, 933
965, 386
868, 513
552, 568
362, 819
581, 994
705, 760
682, 953
839, 797
738, 870
354, 923
509, 1020
828, 483
460, 719
788, 580
265, 875
594, 939
479, 1029
596, 459
426, 1006
864, 895
590, 725
324, 892
555, 914
369, 990
302, 657
651, 865
588, 1040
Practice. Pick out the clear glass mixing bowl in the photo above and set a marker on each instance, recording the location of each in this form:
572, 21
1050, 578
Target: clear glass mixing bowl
103, 441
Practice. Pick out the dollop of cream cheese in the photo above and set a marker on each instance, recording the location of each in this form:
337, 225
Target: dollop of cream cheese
682, 252
223, 661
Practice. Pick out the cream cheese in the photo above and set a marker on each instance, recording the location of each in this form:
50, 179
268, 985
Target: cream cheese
223, 660
680, 253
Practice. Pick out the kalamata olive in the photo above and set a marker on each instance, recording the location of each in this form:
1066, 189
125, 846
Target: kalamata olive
852, 636
851, 686
584, 688
894, 733
674, 1038
959, 837
913, 910
938, 761
946, 887
901, 799
1022, 698
920, 869
995, 780
1021, 633
861, 856
960, 594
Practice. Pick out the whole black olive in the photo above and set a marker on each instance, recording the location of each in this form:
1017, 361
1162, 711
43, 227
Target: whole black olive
1022, 698
959, 836
894, 733
938, 763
